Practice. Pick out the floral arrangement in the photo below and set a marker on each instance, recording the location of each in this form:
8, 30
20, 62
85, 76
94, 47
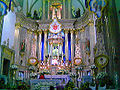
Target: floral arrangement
33, 75
72, 75
66, 71
19, 78
102, 78
45, 71
14, 67
32, 68
101, 75
70, 85
92, 66
60, 71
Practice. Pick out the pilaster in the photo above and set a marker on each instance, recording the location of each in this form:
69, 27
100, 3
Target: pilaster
92, 40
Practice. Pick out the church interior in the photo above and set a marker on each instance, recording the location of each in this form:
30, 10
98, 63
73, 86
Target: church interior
60, 44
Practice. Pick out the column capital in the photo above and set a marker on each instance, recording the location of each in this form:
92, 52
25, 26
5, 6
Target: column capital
66, 31
45, 31
29, 32
71, 31
82, 29
17, 25
40, 32
76, 32
35, 33
91, 22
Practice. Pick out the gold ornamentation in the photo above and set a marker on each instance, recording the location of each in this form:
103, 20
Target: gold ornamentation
32, 61
77, 40
82, 29
17, 25
91, 22
101, 61
77, 61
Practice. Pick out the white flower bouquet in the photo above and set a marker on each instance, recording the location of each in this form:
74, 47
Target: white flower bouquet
32, 68
19, 78
93, 67
14, 67
33, 74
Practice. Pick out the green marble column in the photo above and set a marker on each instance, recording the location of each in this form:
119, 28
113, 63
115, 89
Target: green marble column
43, 16
69, 9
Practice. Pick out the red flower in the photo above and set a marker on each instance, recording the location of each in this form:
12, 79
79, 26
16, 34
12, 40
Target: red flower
42, 77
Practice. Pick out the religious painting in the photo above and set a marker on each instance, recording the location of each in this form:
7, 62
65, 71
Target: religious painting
55, 26
97, 6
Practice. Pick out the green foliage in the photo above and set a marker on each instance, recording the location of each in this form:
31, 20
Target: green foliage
32, 6
18, 85
103, 78
23, 85
29, 15
69, 85
84, 86
81, 5
92, 84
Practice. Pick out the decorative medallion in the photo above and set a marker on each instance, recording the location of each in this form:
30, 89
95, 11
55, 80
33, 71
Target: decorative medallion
77, 61
55, 26
101, 61
97, 6
32, 61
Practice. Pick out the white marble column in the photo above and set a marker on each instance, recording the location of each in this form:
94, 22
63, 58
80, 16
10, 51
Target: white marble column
40, 38
53, 12
16, 44
45, 44
72, 47
92, 40
66, 45
58, 13
51, 46
58, 51
35, 44
29, 37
